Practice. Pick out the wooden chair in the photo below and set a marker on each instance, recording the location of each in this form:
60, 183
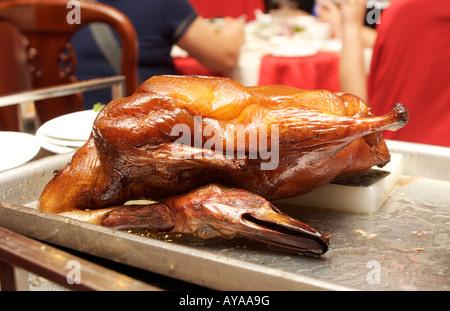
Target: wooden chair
51, 59
20, 254
13, 73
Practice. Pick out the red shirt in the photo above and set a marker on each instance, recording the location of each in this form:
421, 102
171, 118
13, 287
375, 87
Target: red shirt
411, 65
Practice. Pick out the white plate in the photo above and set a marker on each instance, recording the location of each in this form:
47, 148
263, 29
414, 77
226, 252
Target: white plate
72, 126
59, 142
16, 149
294, 51
49, 144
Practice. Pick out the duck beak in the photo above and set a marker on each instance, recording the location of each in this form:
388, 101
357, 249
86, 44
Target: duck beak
274, 227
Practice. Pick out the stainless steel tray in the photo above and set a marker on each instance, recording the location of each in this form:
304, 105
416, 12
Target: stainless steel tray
404, 246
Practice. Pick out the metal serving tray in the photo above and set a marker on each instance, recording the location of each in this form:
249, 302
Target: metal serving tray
403, 246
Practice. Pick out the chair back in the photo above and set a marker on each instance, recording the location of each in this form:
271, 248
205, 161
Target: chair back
48, 26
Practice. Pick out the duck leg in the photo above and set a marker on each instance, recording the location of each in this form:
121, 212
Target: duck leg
215, 211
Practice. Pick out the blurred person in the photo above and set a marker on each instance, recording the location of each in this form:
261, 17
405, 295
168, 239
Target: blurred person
159, 25
297, 7
306, 5
330, 12
410, 65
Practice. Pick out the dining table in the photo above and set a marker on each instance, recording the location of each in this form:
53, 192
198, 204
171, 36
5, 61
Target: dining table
298, 51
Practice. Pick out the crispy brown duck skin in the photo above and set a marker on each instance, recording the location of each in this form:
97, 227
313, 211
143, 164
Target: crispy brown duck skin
133, 151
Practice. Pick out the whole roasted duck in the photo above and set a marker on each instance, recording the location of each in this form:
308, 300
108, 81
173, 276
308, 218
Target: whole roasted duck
211, 153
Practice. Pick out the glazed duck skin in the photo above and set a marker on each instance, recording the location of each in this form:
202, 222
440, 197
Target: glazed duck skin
135, 153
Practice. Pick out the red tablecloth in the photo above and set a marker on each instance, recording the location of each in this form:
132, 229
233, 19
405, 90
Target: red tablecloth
316, 72
231, 8
320, 71
190, 66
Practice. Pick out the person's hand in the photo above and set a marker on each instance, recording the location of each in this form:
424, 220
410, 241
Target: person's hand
353, 12
329, 12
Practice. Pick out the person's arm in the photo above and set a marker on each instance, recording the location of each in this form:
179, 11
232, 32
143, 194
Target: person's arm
352, 72
216, 48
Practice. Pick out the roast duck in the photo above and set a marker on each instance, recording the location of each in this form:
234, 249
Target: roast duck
211, 154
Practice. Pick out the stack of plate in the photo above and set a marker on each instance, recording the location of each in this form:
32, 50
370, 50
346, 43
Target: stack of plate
16, 149
66, 133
